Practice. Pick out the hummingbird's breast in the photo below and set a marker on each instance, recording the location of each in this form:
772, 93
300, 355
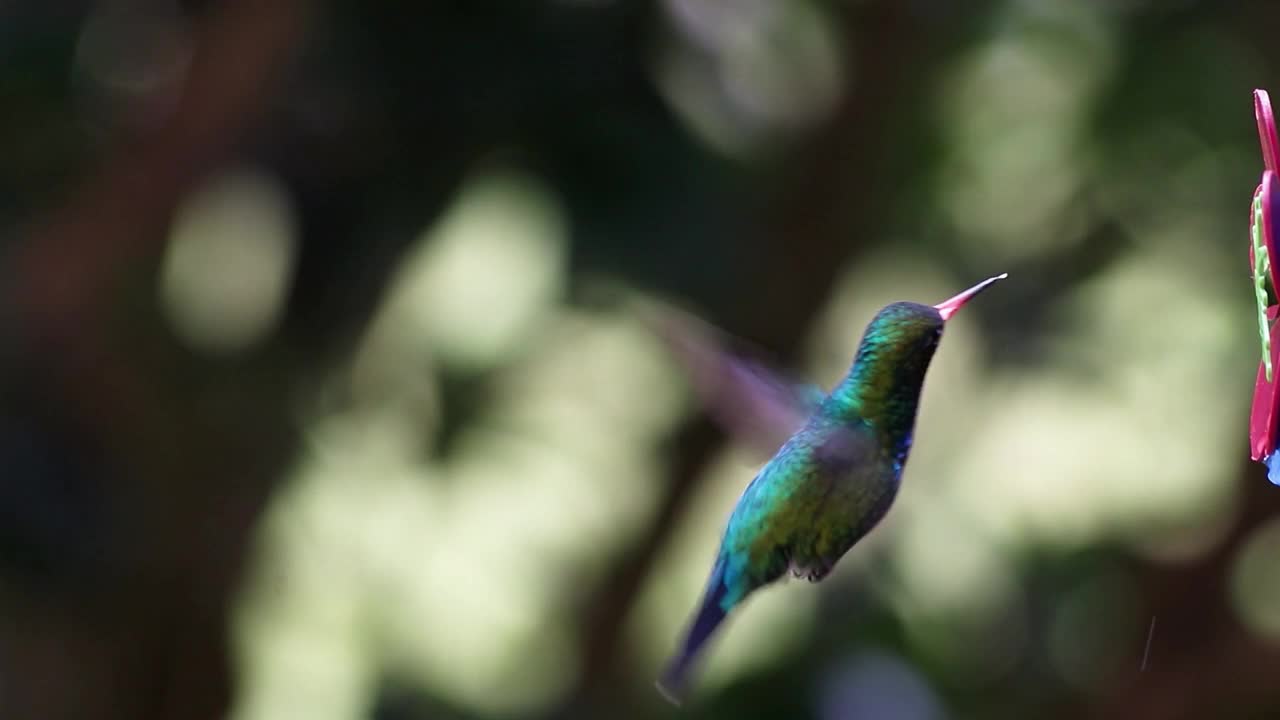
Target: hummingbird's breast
827, 486
860, 482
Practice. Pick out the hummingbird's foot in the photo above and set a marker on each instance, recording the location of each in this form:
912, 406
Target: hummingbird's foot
812, 573
818, 573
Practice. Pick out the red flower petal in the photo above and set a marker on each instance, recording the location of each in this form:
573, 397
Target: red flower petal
1252, 259
1262, 417
1266, 130
1266, 395
1270, 189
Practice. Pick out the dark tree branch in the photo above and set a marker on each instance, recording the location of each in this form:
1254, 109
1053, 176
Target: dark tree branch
152, 644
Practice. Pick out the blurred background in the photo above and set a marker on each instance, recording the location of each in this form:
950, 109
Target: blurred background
324, 395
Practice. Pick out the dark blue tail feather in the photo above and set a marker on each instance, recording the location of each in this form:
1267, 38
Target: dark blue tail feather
674, 680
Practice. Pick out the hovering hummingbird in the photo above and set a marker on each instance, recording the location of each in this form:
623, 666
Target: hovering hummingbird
833, 478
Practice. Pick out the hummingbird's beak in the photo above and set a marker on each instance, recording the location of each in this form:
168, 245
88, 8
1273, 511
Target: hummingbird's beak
947, 308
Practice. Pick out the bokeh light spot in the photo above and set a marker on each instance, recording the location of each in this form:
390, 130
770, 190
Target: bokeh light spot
1093, 629
229, 262
1255, 581
877, 685
744, 74
486, 273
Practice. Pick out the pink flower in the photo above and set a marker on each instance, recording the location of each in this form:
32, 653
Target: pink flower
1264, 257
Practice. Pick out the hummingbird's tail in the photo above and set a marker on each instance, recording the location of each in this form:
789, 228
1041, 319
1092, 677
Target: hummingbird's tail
674, 680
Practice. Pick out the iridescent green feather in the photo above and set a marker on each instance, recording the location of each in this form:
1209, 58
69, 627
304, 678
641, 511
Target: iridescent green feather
829, 483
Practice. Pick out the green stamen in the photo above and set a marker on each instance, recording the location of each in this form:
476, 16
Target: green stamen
1261, 269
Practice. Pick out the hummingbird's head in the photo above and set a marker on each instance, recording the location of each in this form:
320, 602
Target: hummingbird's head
895, 352
900, 339
906, 328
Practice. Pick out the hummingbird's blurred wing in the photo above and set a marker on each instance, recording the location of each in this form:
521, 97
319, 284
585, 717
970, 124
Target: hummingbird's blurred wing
760, 407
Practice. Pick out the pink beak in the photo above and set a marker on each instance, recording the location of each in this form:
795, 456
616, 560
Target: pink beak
947, 308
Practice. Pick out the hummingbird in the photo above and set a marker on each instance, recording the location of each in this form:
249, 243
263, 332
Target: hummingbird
838, 468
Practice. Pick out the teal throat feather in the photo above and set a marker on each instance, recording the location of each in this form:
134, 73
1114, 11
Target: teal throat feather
883, 387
